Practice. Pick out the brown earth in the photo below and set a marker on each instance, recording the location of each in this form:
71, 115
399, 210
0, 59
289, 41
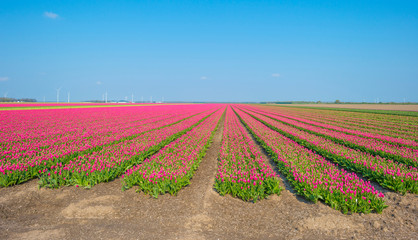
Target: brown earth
360, 106
197, 212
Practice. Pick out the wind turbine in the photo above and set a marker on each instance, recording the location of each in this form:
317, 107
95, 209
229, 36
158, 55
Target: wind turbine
132, 100
68, 97
58, 94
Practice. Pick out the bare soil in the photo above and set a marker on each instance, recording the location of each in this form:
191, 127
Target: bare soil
362, 106
197, 212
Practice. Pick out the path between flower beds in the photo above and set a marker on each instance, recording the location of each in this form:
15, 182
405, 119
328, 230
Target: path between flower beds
197, 212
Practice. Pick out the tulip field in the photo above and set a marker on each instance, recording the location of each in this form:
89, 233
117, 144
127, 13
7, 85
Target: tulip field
335, 157
242, 171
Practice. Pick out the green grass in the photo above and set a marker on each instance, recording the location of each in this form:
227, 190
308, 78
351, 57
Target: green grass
374, 111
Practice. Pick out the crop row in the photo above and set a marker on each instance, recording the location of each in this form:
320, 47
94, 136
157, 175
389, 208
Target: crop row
401, 154
312, 176
18, 169
35, 124
389, 174
242, 171
173, 167
383, 120
77, 127
393, 131
377, 120
391, 140
112, 161
95, 136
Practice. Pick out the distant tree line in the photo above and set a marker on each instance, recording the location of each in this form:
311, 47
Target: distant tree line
6, 99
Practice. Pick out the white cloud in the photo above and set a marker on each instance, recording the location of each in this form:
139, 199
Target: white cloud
203, 78
50, 15
99, 83
275, 75
3, 79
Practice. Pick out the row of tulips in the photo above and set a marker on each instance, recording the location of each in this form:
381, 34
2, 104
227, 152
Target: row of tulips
396, 176
385, 123
17, 170
242, 171
172, 168
102, 136
38, 105
379, 148
385, 117
392, 140
312, 176
393, 131
34, 124
110, 162
81, 128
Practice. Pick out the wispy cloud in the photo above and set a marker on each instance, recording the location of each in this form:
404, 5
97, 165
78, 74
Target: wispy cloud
203, 78
99, 83
51, 15
3, 79
276, 75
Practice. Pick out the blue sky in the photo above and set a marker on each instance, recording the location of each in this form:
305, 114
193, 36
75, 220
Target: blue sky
210, 50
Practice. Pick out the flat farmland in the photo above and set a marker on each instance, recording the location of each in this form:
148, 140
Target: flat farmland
30, 106
391, 107
207, 171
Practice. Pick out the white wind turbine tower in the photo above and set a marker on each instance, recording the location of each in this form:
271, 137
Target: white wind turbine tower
132, 100
106, 97
68, 97
58, 94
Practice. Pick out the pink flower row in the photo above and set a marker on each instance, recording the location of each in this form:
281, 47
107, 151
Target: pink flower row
242, 171
376, 145
314, 177
396, 176
349, 120
112, 161
132, 122
174, 165
342, 129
